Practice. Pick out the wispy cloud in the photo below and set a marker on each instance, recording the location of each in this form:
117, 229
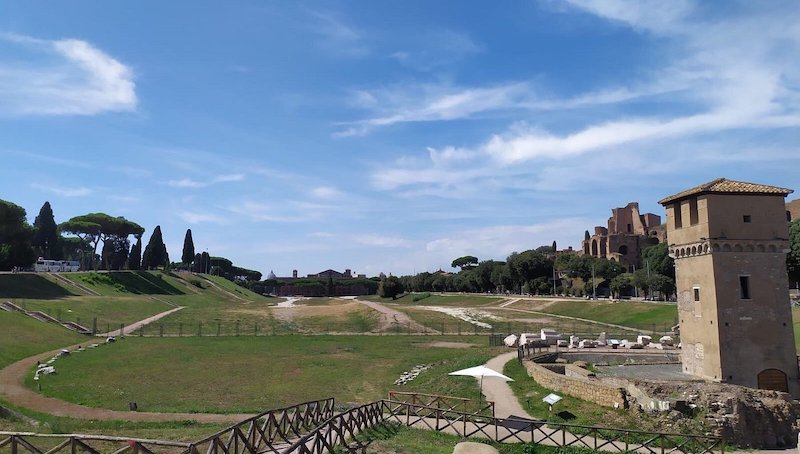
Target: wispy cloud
193, 217
443, 102
720, 85
383, 241
337, 37
63, 77
190, 183
433, 49
326, 192
62, 190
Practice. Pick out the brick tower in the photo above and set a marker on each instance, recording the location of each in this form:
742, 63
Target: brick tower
729, 240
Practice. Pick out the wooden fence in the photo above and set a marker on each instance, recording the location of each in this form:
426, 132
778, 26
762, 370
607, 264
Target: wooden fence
313, 428
269, 432
33, 443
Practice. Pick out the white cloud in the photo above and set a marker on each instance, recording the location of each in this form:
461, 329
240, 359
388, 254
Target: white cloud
228, 178
326, 192
62, 190
190, 183
193, 217
383, 241
186, 183
64, 77
719, 86
443, 102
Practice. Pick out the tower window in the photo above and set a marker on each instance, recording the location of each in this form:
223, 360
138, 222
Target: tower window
696, 294
676, 211
693, 215
744, 287
746, 218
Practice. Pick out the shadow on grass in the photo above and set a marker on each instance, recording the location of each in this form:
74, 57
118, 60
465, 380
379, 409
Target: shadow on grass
30, 286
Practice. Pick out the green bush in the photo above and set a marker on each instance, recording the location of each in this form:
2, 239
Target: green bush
420, 296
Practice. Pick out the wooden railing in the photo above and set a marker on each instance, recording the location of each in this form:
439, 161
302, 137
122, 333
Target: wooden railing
554, 434
341, 431
312, 428
445, 403
269, 432
33, 443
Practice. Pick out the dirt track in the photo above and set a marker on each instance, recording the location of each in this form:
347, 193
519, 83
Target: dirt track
13, 389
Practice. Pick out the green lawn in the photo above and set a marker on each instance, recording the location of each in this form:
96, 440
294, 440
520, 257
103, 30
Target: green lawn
248, 374
796, 325
175, 431
234, 288
108, 311
137, 282
27, 285
22, 336
627, 313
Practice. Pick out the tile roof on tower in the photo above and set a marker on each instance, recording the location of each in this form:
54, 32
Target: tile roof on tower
725, 186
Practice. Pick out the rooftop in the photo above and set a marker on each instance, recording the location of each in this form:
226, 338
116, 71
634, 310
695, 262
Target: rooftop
725, 186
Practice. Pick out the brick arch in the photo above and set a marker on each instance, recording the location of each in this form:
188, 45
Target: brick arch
595, 252
726, 248
737, 247
623, 250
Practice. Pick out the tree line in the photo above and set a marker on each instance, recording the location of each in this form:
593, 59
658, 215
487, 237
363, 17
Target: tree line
80, 237
544, 271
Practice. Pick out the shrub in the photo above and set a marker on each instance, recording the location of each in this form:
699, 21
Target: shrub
420, 296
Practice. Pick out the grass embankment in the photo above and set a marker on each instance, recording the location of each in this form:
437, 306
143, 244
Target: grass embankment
27, 285
109, 312
248, 374
135, 282
627, 313
22, 336
231, 287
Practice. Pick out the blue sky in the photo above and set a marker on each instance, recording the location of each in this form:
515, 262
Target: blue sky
389, 136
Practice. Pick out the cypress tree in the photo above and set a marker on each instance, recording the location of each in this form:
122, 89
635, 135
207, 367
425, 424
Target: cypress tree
155, 253
46, 238
586, 236
135, 257
205, 263
198, 263
188, 248
554, 247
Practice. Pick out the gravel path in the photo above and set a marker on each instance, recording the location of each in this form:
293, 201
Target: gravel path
505, 402
134, 326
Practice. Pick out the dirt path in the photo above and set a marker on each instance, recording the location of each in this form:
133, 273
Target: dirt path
13, 389
134, 326
505, 402
391, 317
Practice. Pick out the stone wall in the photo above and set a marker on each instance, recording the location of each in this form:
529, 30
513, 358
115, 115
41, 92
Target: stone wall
582, 388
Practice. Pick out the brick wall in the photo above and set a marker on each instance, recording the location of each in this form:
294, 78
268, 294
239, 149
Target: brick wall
583, 388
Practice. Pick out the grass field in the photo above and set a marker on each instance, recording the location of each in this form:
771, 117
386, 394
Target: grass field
436, 299
108, 311
22, 336
248, 374
231, 287
627, 313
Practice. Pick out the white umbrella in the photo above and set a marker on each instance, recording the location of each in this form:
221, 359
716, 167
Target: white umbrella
480, 372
